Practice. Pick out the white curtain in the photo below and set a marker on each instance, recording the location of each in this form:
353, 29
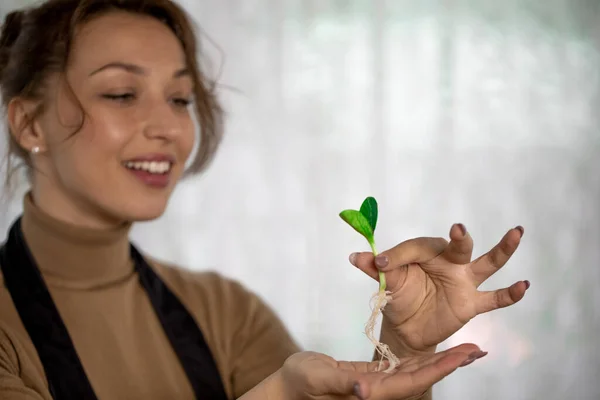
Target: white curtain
482, 112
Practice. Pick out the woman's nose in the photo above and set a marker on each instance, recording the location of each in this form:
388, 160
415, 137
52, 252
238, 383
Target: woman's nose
162, 123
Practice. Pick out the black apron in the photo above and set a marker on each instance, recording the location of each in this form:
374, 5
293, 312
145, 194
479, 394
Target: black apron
65, 374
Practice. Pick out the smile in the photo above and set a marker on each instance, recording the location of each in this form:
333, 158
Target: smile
153, 167
155, 171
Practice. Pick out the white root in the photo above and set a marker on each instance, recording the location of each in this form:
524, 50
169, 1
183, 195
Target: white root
378, 302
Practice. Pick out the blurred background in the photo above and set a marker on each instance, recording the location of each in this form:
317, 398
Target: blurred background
482, 112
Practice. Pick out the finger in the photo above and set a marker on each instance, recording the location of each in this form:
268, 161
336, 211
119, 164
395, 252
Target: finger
337, 381
489, 263
362, 386
356, 373
411, 251
365, 262
362, 366
489, 301
460, 249
401, 385
412, 364
346, 379
427, 376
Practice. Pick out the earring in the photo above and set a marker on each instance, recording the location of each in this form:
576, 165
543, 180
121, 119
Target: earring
35, 150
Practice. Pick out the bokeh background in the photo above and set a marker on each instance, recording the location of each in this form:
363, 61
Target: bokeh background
483, 112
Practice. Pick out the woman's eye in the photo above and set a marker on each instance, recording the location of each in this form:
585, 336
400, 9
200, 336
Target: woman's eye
129, 97
182, 102
121, 98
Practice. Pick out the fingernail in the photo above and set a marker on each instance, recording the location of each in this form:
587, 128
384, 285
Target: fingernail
382, 261
462, 228
478, 354
521, 230
473, 357
357, 391
352, 258
527, 285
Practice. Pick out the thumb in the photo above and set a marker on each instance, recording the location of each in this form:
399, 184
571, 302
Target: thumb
348, 379
341, 383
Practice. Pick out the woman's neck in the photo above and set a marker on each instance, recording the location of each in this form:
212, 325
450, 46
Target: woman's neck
73, 256
72, 210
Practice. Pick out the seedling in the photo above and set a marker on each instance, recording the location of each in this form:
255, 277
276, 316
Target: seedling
364, 222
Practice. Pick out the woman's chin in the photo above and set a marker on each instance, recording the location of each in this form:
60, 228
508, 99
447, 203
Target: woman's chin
131, 206
144, 212
145, 215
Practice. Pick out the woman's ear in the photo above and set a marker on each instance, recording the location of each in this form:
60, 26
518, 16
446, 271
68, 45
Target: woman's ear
23, 125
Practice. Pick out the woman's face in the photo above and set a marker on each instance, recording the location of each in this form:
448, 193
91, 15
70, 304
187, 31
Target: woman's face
128, 73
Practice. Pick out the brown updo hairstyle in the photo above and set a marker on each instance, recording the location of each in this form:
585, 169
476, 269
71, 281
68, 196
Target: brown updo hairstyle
35, 43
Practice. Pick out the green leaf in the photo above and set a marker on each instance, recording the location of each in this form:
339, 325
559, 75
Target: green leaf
359, 222
369, 210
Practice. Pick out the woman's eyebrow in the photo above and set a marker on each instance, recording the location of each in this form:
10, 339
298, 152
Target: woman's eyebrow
135, 69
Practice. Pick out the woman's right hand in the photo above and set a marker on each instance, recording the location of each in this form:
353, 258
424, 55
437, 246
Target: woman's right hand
309, 375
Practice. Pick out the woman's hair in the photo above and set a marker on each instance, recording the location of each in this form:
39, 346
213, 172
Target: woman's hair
36, 42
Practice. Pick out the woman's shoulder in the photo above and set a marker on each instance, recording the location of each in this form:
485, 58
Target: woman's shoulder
206, 285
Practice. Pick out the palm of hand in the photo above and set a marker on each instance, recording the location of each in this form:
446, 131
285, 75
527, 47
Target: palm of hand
434, 301
434, 284
310, 375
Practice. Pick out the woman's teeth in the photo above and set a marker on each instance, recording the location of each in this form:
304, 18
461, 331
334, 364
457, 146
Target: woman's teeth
154, 167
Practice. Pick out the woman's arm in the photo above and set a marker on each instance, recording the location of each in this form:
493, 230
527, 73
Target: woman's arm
309, 375
259, 341
12, 386
269, 389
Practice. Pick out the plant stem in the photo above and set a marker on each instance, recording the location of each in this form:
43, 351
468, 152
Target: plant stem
382, 282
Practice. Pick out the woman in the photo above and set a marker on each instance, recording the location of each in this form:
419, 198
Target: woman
98, 97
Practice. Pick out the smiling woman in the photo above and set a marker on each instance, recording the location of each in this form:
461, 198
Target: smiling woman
130, 80
98, 95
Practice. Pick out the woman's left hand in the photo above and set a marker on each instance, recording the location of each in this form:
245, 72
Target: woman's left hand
434, 284
310, 375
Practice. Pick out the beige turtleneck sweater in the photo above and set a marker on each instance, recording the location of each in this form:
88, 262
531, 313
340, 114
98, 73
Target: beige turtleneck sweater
120, 342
